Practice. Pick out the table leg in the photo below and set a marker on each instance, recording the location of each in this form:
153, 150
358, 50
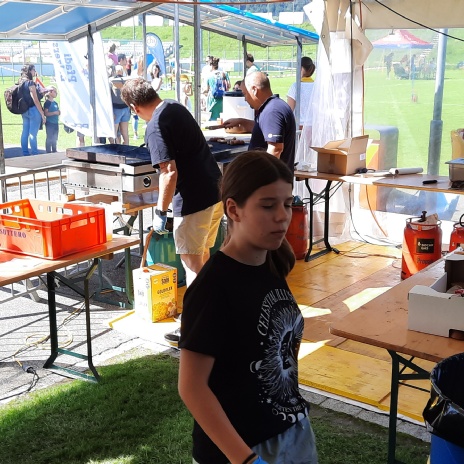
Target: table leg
55, 350
399, 364
395, 378
313, 199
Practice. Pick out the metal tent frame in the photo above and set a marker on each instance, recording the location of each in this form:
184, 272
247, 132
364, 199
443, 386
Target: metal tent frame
70, 20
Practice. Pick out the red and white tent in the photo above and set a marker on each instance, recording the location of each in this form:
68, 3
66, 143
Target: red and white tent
401, 38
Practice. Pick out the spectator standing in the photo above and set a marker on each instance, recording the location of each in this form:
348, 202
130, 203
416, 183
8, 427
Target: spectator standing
251, 65
274, 127
215, 93
388, 63
129, 66
52, 112
188, 176
111, 54
121, 111
306, 90
245, 401
122, 61
34, 117
156, 79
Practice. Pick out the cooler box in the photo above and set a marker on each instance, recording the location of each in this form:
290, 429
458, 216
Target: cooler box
235, 106
155, 292
50, 229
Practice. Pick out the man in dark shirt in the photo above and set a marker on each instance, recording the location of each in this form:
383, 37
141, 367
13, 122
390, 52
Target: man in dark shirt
188, 175
274, 127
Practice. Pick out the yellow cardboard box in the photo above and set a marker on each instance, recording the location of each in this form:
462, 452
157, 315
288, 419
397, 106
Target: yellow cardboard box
155, 292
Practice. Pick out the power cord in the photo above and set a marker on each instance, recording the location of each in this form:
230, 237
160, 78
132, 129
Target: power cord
40, 344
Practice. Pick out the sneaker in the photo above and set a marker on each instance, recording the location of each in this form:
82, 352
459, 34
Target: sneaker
173, 338
135, 137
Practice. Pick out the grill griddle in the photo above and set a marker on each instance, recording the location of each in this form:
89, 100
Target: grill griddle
114, 154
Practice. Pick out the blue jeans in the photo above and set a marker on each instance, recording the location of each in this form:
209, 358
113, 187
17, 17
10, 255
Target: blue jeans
52, 137
31, 123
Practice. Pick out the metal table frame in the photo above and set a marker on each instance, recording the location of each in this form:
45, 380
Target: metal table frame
50, 267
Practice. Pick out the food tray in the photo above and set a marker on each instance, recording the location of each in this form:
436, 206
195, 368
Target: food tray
50, 229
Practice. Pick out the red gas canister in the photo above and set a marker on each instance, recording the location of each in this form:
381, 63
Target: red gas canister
457, 236
421, 245
298, 230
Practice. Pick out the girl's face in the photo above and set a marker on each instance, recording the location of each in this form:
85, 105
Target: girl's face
262, 222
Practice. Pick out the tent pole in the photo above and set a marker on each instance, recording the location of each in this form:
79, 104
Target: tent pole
436, 125
197, 45
299, 52
91, 68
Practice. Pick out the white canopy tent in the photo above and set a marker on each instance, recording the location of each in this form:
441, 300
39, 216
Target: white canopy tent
339, 84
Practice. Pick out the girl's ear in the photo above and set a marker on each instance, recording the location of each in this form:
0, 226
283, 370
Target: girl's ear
232, 210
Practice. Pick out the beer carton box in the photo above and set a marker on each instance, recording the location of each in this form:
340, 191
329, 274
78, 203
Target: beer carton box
155, 292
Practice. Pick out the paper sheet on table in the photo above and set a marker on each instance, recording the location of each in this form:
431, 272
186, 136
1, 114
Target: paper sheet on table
396, 171
12, 266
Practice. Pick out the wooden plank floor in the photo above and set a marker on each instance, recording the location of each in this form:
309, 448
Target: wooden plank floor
327, 289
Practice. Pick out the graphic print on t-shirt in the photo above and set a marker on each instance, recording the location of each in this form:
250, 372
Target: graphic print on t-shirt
280, 327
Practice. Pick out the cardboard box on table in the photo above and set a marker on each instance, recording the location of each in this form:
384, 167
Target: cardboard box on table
155, 292
432, 310
343, 157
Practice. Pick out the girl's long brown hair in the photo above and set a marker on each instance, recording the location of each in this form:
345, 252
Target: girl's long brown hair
246, 174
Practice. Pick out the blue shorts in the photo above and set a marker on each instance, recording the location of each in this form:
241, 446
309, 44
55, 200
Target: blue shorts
121, 115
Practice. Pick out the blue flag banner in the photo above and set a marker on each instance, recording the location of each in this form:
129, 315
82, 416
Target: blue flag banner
155, 51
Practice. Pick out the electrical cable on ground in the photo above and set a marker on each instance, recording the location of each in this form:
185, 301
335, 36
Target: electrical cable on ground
41, 343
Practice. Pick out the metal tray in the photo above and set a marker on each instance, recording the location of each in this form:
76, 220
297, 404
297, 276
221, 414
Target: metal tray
113, 154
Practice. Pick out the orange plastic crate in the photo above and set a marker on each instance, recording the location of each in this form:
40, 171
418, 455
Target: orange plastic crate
50, 229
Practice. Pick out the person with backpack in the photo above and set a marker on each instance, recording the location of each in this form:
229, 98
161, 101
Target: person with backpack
34, 117
216, 86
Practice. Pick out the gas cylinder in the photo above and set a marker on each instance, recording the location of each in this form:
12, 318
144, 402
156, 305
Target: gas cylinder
457, 236
421, 245
298, 230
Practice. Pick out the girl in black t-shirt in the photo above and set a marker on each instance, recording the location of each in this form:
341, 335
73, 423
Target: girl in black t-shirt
242, 329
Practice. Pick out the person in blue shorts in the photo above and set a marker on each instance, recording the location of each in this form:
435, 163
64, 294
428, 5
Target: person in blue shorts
274, 127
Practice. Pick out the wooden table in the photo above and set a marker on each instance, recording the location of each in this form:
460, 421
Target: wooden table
383, 322
334, 181
15, 267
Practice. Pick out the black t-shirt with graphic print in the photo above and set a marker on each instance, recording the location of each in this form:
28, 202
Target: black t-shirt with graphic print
247, 319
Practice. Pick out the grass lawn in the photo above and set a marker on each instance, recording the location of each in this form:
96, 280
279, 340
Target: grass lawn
135, 416
387, 102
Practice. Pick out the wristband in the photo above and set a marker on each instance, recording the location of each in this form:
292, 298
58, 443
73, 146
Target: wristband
160, 213
250, 457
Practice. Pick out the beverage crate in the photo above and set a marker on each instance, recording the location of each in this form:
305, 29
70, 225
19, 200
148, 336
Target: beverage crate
50, 229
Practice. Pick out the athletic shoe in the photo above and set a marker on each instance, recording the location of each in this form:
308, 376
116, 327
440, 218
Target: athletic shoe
135, 137
173, 338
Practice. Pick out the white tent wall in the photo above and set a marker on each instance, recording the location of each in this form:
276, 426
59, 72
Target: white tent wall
332, 90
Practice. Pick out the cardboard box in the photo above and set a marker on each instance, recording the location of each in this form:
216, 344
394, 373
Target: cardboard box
155, 292
342, 157
432, 310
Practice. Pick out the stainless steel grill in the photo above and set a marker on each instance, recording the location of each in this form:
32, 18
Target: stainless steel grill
121, 170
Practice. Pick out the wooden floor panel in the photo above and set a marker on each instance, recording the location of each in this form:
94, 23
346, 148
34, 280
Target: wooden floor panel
327, 289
